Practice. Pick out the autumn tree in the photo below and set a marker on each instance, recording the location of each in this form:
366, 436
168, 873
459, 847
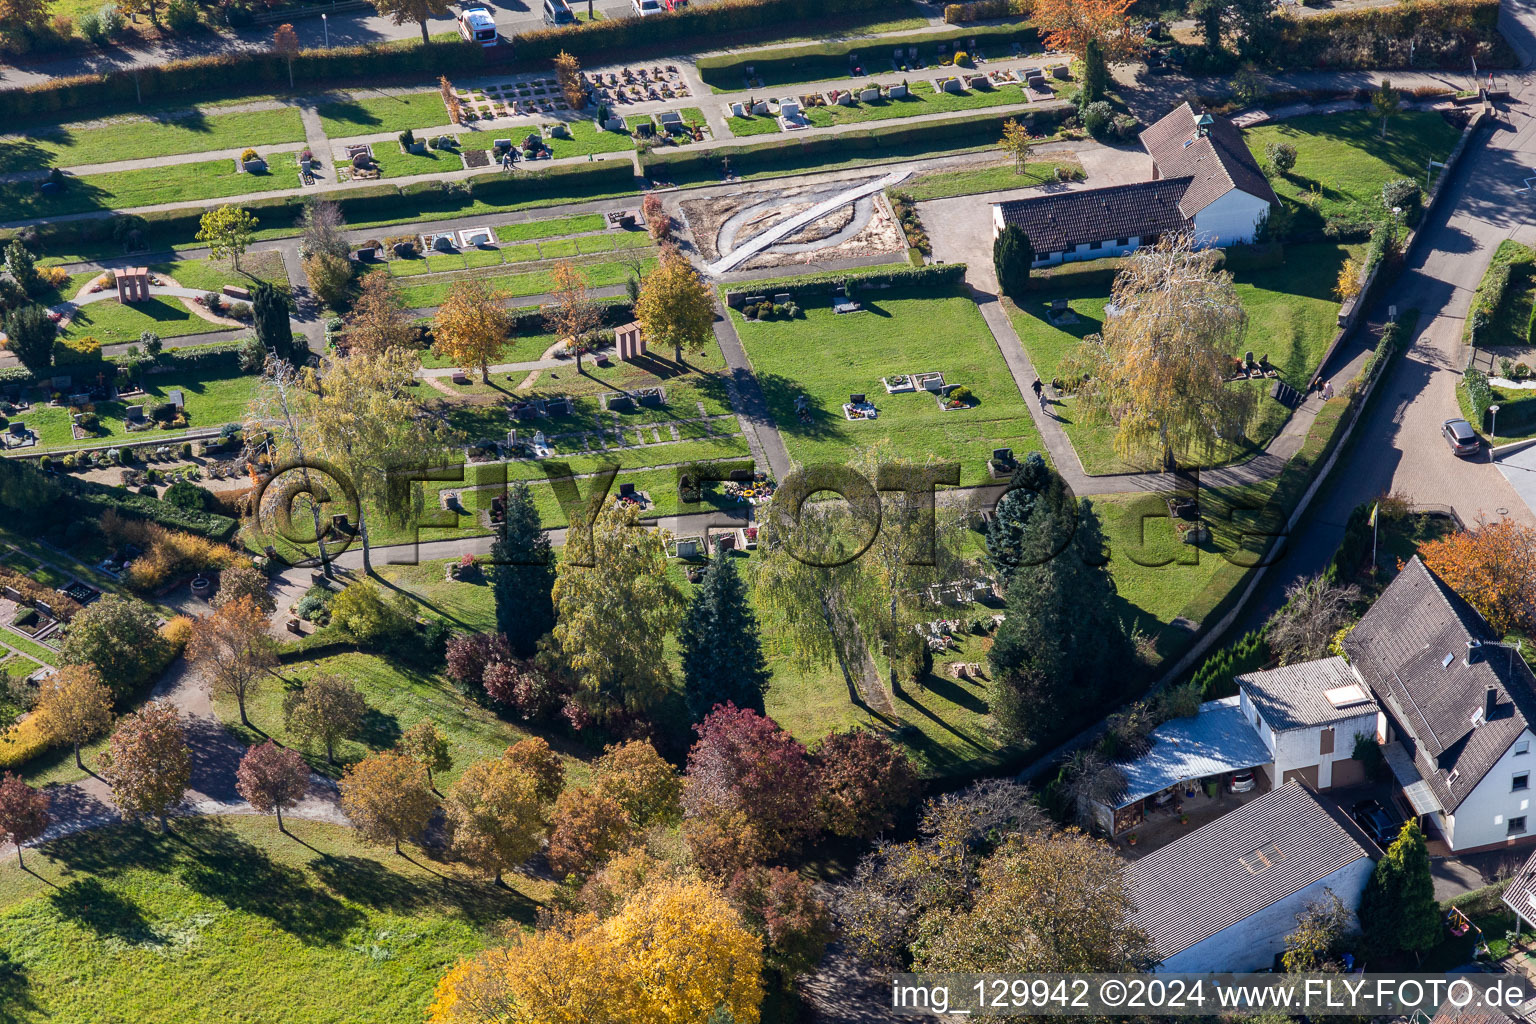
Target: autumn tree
471, 325
616, 604
19, 14
324, 710
148, 763
676, 952
378, 320
286, 42
1492, 568
676, 307
523, 573
781, 906
272, 778
1315, 610
1056, 904
1321, 927
23, 813
387, 798
1070, 25
744, 762
428, 747
865, 781
361, 413
234, 649
572, 86
328, 275
227, 232
572, 314
534, 756
244, 580
496, 816
1159, 371
722, 655
587, 828
118, 636
420, 11
74, 706
1386, 101
640, 781
1017, 143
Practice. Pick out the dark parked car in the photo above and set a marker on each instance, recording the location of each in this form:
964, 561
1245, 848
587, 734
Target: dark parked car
1377, 823
1461, 437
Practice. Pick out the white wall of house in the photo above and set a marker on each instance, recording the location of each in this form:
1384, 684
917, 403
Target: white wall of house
1253, 943
1298, 749
1086, 251
1483, 818
1232, 219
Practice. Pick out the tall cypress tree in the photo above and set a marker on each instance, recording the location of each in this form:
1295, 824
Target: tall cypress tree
1398, 908
1005, 534
1012, 256
523, 574
722, 658
269, 315
1095, 81
1061, 643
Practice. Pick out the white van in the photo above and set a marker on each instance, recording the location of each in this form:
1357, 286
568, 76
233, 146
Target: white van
477, 26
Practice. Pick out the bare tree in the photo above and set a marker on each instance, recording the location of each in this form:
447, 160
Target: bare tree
1087, 780
1315, 610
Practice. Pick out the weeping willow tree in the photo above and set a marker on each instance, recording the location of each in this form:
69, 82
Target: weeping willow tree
1158, 372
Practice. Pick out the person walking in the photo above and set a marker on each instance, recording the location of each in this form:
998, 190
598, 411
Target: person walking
1039, 390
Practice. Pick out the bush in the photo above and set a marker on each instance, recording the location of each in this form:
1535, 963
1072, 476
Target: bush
1403, 194
1433, 33
76, 351
1097, 119
815, 285
181, 16
22, 742
111, 20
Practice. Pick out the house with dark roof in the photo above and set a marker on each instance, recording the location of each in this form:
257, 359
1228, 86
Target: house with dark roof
1457, 709
1205, 182
1308, 717
1225, 896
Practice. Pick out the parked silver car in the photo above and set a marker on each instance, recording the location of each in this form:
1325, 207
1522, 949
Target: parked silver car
1461, 437
1243, 781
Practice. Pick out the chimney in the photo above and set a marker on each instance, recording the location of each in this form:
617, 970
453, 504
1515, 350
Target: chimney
1473, 649
1490, 699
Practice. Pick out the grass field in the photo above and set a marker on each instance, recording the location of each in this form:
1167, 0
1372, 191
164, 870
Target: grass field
138, 138
205, 179
370, 114
224, 918
1342, 161
525, 252
921, 99
551, 228
113, 323
429, 294
213, 398
211, 275
993, 178
586, 138
1292, 316
829, 357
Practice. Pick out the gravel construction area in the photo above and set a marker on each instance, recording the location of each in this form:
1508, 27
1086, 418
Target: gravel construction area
863, 227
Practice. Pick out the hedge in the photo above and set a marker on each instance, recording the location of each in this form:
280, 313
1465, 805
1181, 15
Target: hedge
830, 60
614, 312
681, 165
1427, 33
935, 276
97, 498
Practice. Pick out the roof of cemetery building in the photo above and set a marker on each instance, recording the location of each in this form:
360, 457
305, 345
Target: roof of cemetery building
1061, 223
1210, 151
1311, 693
1459, 699
1221, 873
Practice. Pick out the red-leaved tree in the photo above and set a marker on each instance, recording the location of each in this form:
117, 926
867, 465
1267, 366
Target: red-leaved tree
470, 654
148, 762
781, 906
866, 780
272, 778
743, 762
23, 813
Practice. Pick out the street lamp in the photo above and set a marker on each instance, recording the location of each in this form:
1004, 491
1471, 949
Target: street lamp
325, 23
1495, 432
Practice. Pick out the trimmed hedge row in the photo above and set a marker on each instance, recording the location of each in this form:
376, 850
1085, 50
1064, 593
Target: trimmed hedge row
98, 498
935, 276
830, 60
359, 206
1427, 33
679, 166
687, 25
615, 313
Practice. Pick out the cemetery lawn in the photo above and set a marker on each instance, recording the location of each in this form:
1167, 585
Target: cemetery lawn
922, 99
395, 164
430, 294
224, 914
970, 181
113, 323
375, 114
1346, 161
761, 124
211, 275
1292, 316
551, 228
213, 398
829, 356
206, 179
138, 138
398, 696
586, 138
523, 252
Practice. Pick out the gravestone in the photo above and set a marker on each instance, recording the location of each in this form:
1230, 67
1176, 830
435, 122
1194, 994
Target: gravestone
898, 92
132, 284
630, 342
869, 95
760, 107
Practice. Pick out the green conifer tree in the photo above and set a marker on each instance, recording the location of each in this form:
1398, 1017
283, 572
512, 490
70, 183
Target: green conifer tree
523, 574
722, 657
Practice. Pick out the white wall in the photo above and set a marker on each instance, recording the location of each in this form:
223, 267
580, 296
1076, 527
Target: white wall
1482, 818
1253, 943
1299, 748
1084, 252
1229, 220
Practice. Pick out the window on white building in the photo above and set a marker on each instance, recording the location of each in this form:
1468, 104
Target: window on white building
1519, 782
1523, 747
1517, 826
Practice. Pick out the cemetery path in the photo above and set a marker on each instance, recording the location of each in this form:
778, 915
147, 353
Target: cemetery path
749, 403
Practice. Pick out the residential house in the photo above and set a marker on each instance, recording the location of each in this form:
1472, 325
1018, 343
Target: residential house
1204, 182
1457, 711
1308, 716
1224, 897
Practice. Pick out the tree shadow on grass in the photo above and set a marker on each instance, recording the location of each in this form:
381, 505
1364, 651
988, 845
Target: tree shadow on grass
373, 885
15, 994
379, 730
88, 902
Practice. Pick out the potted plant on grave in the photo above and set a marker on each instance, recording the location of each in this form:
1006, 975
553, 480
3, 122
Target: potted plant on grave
252, 163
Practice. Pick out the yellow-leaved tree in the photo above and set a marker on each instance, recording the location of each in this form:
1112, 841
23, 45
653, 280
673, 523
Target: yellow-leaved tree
675, 306
675, 953
471, 326
1159, 372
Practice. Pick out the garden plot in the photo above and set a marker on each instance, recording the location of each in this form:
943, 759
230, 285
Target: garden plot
864, 227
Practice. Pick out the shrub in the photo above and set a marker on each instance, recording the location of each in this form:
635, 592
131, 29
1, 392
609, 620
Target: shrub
111, 20
1281, 157
181, 16
1097, 119
76, 351
1403, 194
90, 27
407, 138
22, 742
